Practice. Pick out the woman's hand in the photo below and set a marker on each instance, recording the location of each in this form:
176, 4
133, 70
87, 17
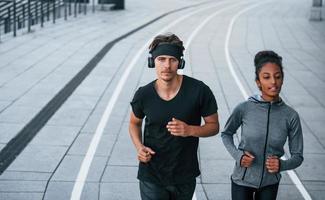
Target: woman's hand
247, 159
272, 164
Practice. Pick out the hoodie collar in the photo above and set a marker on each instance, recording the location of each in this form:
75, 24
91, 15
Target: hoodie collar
258, 99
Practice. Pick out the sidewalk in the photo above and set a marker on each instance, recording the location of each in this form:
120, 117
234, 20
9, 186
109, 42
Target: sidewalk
35, 67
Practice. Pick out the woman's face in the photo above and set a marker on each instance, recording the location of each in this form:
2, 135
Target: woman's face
270, 81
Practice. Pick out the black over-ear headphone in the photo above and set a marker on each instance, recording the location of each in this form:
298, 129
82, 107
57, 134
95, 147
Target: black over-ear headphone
151, 63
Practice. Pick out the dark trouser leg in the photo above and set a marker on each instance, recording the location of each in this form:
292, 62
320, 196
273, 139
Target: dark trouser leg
267, 193
151, 191
183, 191
239, 192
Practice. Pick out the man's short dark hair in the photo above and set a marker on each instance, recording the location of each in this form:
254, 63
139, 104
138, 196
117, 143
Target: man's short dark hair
167, 38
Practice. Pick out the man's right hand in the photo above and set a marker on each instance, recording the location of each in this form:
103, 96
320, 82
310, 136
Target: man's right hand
247, 159
145, 154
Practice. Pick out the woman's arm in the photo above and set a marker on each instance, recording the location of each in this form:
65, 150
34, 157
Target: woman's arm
232, 124
295, 140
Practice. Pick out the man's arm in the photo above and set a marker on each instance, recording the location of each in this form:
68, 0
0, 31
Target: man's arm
144, 153
135, 130
180, 128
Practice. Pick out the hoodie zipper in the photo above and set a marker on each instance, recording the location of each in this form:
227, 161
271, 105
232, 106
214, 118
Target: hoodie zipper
244, 174
266, 138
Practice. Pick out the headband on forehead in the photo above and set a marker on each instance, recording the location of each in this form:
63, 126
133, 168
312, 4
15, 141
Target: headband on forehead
167, 49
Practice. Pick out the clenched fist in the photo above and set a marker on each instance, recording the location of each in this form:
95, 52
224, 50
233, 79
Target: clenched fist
145, 154
178, 128
272, 164
247, 159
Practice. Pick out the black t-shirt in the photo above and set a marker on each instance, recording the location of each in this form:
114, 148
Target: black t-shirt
175, 161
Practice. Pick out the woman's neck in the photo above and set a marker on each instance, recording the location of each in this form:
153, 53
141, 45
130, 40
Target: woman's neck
270, 99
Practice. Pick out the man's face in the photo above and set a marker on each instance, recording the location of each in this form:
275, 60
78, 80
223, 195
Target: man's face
166, 67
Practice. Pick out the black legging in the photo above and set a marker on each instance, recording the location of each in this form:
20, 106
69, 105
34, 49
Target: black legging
239, 192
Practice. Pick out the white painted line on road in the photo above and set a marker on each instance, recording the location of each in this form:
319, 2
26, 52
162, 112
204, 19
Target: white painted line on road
194, 197
84, 169
299, 185
196, 31
291, 173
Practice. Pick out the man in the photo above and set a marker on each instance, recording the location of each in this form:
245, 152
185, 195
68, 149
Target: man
172, 106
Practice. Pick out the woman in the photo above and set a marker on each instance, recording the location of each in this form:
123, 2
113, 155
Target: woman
266, 122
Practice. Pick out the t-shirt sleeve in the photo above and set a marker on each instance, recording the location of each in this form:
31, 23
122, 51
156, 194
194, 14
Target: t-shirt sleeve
208, 103
137, 104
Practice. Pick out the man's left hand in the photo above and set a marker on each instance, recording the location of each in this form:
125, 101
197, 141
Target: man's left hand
178, 128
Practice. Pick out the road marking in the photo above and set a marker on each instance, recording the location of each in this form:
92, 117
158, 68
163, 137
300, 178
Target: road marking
291, 173
84, 169
196, 31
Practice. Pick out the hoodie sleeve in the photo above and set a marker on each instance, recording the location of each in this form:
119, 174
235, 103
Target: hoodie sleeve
232, 124
295, 140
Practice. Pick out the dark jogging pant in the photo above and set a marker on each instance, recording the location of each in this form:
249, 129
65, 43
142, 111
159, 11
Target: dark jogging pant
239, 192
151, 191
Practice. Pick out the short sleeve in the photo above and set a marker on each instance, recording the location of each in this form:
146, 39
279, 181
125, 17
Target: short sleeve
137, 104
208, 103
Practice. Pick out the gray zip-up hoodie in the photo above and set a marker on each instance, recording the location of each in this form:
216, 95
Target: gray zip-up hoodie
265, 127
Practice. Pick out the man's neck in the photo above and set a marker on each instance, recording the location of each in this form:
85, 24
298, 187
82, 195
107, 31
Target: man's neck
169, 89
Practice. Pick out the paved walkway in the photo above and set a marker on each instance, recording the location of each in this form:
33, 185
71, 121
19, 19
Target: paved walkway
35, 67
